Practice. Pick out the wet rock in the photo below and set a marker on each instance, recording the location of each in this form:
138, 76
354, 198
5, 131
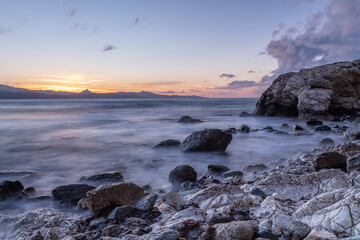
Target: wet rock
353, 132
313, 122
268, 128
217, 169
284, 125
173, 199
230, 130
121, 194
353, 163
219, 218
161, 235
255, 167
297, 127
188, 119
182, 173
299, 230
266, 235
327, 141
112, 231
97, 222
146, 203
323, 128
189, 186
244, 128
121, 212
168, 143
102, 178
237, 230
208, 140
258, 192
147, 187
29, 191
71, 193
348, 149
335, 119
317, 234
330, 160
233, 174
318, 92
10, 189
245, 114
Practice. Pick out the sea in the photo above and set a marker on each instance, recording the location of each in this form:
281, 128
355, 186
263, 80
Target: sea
48, 143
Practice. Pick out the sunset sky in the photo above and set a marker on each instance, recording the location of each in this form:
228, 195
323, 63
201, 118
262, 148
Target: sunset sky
209, 48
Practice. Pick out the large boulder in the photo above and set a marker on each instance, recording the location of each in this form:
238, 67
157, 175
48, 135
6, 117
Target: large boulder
9, 189
318, 92
182, 173
102, 178
330, 160
71, 193
208, 140
237, 230
120, 194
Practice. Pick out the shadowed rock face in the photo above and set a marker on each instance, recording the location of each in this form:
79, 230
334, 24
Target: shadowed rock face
319, 92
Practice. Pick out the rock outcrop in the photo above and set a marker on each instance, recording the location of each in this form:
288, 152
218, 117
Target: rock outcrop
320, 92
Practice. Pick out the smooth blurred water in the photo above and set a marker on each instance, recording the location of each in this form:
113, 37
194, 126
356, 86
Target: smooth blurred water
64, 140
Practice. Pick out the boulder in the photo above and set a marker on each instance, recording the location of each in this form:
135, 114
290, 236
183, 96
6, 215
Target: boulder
161, 235
313, 122
353, 163
353, 132
330, 160
182, 173
318, 92
168, 143
230, 130
71, 193
244, 128
10, 189
120, 212
112, 231
236, 230
208, 140
317, 234
233, 174
297, 127
102, 178
120, 194
323, 128
299, 230
146, 203
327, 141
217, 169
245, 114
188, 119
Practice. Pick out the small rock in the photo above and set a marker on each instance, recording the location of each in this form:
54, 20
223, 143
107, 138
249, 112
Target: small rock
233, 174
112, 231
71, 193
353, 163
97, 222
147, 187
335, 119
208, 140
10, 189
327, 141
120, 212
189, 185
219, 218
102, 178
29, 191
285, 125
297, 127
168, 143
299, 230
323, 128
217, 169
237, 230
174, 199
230, 130
245, 114
161, 235
258, 192
188, 119
329, 160
146, 203
313, 122
317, 234
182, 173
244, 128
268, 128
266, 235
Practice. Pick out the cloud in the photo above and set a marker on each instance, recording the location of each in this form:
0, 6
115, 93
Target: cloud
236, 85
109, 47
251, 71
136, 21
227, 75
330, 35
4, 30
72, 12
158, 83
168, 92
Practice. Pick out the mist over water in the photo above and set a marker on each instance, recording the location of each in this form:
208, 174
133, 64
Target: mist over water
58, 141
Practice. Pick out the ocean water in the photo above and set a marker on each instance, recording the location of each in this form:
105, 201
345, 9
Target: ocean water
63, 140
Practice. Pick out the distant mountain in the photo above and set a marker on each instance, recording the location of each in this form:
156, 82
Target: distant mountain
7, 92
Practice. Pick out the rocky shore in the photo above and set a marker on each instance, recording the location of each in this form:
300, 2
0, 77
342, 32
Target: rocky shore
315, 195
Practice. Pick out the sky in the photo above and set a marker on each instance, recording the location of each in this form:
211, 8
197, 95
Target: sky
210, 48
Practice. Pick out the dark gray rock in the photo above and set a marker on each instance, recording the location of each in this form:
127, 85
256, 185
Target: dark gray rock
233, 174
268, 128
71, 193
102, 178
10, 189
236, 230
182, 173
327, 141
146, 203
266, 235
188, 119
245, 114
353, 132
208, 140
284, 125
217, 169
313, 122
297, 127
353, 163
329, 160
112, 231
120, 212
219, 218
230, 130
168, 143
244, 128
258, 192
323, 128
299, 230
162, 235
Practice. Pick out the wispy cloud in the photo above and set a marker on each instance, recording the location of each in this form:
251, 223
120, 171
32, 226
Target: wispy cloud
136, 22
167, 92
158, 83
108, 47
236, 85
72, 12
251, 71
227, 75
4, 30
